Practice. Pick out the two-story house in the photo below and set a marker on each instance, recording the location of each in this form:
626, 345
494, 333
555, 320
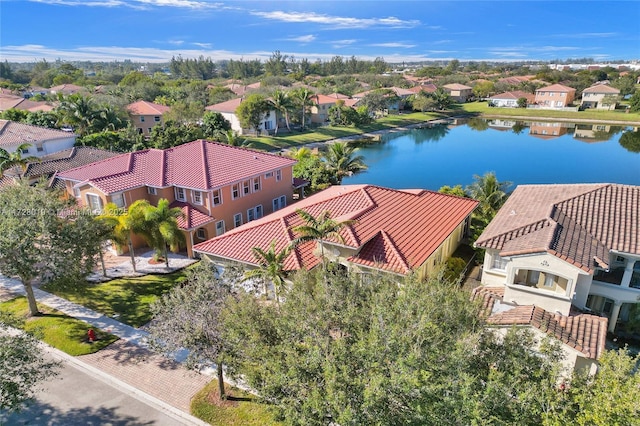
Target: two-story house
459, 92
145, 115
319, 111
600, 96
555, 96
395, 231
217, 186
564, 252
228, 111
41, 140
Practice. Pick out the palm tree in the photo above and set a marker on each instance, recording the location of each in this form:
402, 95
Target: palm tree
304, 96
319, 229
271, 267
299, 153
15, 159
121, 222
231, 137
159, 227
79, 112
491, 193
108, 119
342, 162
281, 102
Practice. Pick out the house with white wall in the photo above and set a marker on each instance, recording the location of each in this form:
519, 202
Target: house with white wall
228, 111
41, 140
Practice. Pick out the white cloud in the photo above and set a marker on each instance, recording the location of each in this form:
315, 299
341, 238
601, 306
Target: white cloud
336, 21
339, 44
176, 42
585, 35
135, 4
393, 44
203, 45
302, 39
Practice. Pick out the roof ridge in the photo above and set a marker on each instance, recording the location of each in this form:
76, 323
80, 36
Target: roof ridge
395, 250
205, 163
515, 230
297, 258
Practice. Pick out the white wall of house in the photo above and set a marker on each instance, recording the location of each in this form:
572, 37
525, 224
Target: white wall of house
510, 103
268, 123
42, 148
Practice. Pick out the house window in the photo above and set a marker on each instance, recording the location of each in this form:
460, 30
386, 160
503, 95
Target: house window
142, 119
246, 187
40, 148
95, 202
268, 125
235, 191
279, 203
149, 129
237, 220
197, 197
118, 199
250, 215
499, 263
151, 190
25, 151
256, 184
180, 194
217, 199
156, 118
258, 210
268, 175
278, 175
220, 227
201, 234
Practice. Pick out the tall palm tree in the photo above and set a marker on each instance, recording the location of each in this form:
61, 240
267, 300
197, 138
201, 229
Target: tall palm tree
15, 159
121, 223
304, 96
108, 119
342, 161
271, 267
319, 229
300, 153
160, 226
231, 137
79, 112
281, 102
491, 193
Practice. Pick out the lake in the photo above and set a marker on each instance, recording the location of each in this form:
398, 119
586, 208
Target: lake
520, 152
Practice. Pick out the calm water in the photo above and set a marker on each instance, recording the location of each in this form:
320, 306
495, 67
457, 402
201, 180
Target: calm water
526, 153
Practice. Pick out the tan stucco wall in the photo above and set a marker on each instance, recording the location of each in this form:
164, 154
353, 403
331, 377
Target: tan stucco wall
149, 122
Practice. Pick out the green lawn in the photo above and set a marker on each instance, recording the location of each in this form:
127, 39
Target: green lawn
590, 114
56, 329
125, 299
238, 410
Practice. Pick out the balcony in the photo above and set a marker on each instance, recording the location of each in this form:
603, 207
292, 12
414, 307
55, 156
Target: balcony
615, 275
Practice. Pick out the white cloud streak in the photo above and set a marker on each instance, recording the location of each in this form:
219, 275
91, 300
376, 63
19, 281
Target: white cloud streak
394, 45
336, 21
135, 4
302, 39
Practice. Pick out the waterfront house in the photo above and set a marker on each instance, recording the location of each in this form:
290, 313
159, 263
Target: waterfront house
396, 231
400, 94
568, 247
217, 186
600, 96
555, 96
319, 112
510, 99
145, 115
41, 140
459, 92
228, 111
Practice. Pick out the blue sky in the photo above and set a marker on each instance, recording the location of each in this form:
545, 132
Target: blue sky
156, 30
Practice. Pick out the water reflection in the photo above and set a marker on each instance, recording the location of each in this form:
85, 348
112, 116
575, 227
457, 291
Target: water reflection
433, 133
630, 141
595, 132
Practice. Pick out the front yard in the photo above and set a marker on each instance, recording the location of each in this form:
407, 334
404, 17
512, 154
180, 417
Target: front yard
127, 300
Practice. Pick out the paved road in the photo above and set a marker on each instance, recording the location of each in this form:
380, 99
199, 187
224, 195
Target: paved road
76, 398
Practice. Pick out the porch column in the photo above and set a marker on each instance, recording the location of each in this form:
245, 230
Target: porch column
614, 316
628, 272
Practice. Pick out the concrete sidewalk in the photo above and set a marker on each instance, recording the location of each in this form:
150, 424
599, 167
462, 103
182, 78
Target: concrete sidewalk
127, 362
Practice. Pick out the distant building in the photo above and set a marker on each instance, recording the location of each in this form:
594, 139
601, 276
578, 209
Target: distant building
145, 115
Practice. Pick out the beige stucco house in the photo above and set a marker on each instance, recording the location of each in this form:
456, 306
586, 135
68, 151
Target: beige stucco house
600, 96
145, 115
555, 96
459, 92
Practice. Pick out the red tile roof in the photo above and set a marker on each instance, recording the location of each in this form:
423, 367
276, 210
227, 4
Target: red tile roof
13, 133
200, 165
556, 88
457, 86
192, 218
227, 106
428, 88
602, 88
580, 224
584, 332
147, 108
324, 99
516, 94
394, 231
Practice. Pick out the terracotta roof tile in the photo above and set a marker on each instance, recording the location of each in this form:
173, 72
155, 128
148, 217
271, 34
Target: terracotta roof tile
227, 106
457, 86
602, 88
515, 95
556, 88
578, 223
193, 218
200, 165
394, 230
147, 108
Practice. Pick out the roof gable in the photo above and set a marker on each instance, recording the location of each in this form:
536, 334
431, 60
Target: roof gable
147, 108
13, 133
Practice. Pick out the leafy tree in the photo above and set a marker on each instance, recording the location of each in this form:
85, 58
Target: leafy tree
423, 102
478, 124
79, 112
379, 100
189, 317
483, 89
173, 134
43, 237
455, 190
634, 102
442, 99
15, 159
319, 229
522, 102
630, 141
491, 193
231, 137
626, 84
159, 227
42, 119
13, 114
276, 64
313, 169
251, 111
184, 111
342, 161
213, 123
271, 268
22, 367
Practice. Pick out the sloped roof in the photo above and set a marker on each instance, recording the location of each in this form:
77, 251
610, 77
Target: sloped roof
556, 88
429, 88
201, 165
67, 159
584, 332
227, 106
67, 89
147, 108
191, 217
602, 88
324, 99
515, 95
394, 230
457, 86
580, 223
13, 133
399, 91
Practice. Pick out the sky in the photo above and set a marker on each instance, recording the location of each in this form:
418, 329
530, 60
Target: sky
398, 31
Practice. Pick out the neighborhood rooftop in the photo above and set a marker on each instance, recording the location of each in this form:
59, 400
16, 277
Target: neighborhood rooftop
14, 133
